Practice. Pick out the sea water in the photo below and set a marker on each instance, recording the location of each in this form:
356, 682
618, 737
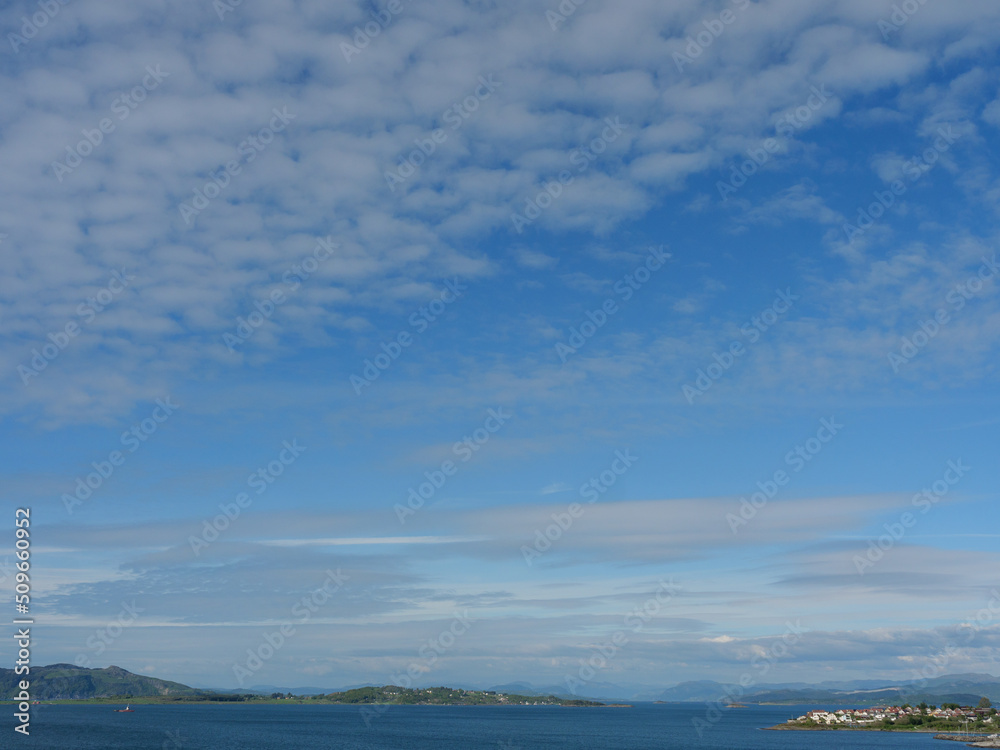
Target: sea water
277, 727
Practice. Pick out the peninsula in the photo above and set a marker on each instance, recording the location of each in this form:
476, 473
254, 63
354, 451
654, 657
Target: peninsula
950, 717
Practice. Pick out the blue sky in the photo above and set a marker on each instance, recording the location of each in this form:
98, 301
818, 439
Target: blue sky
610, 289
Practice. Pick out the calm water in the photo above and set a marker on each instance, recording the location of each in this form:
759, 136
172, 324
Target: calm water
644, 727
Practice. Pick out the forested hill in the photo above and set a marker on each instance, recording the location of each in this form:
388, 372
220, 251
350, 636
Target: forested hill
69, 681
392, 694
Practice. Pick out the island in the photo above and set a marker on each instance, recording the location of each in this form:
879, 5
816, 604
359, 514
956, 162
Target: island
443, 696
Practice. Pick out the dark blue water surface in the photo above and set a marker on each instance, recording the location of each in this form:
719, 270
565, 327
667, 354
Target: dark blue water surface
274, 727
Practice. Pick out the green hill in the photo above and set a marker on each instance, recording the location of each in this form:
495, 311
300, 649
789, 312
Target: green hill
443, 696
68, 681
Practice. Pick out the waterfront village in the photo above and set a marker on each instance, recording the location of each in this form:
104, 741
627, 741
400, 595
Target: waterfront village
905, 715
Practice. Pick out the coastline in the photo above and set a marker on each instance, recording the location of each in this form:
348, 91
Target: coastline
115, 702
899, 730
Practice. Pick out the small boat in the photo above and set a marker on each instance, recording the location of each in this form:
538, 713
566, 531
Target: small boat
126, 710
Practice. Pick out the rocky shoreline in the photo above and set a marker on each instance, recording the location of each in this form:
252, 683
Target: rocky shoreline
986, 741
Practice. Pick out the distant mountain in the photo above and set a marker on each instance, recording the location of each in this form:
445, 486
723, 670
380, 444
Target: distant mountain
604, 691
966, 676
846, 684
696, 690
892, 696
69, 681
964, 689
521, 688
72, 682
957, 688
983, 684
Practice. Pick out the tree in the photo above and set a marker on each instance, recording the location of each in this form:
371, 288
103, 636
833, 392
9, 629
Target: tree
923, 707
984, 702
